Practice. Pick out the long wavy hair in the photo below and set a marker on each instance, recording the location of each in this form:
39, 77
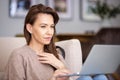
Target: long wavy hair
31, 17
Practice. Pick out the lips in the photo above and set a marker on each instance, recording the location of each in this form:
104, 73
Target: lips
48, 38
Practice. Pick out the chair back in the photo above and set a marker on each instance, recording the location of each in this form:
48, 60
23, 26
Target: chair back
7, 45
73, 54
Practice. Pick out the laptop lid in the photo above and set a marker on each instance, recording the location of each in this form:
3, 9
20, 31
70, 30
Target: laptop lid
101, 60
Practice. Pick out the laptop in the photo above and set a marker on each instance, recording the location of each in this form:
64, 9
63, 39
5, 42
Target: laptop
102, 59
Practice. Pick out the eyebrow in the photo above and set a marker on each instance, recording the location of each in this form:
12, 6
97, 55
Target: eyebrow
47, 24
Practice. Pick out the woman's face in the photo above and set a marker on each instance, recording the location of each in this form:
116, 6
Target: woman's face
43, 29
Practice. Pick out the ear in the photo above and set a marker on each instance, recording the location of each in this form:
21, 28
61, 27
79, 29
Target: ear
29, 28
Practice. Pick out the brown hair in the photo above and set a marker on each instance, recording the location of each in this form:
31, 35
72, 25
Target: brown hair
31, 17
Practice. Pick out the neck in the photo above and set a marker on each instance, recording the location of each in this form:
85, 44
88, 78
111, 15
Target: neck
37, 47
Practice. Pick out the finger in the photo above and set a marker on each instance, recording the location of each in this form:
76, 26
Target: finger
44, 55
63, 71
41, 55
45, 62
62, 75
43, 59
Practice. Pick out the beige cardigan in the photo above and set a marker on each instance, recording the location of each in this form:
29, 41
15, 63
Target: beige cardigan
23, 64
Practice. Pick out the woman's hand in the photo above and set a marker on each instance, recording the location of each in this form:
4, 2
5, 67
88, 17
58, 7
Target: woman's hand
60, 72
48, 58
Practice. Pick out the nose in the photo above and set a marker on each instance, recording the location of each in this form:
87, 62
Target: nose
50, 31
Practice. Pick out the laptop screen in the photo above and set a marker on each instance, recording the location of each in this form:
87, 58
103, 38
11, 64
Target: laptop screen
102, 59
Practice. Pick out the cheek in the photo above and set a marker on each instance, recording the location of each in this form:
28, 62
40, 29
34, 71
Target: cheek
37, 32
40, 32
53, 31
52, 34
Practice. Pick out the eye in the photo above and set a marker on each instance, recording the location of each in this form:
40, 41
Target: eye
42, 26
52, 26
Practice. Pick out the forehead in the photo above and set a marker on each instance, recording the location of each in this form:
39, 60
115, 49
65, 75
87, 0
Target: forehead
43, 17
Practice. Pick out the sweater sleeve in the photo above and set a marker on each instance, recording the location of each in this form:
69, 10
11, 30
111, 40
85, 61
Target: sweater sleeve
15, 69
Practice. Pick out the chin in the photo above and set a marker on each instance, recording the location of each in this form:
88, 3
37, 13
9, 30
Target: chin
46, 43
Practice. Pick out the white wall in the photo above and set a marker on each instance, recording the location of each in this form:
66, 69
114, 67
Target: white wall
12, 26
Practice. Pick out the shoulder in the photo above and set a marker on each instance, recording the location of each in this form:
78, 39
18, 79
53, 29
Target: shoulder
20, 52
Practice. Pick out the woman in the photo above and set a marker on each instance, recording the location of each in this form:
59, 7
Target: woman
38, 60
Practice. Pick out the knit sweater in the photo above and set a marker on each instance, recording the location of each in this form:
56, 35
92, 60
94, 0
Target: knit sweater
23, 64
